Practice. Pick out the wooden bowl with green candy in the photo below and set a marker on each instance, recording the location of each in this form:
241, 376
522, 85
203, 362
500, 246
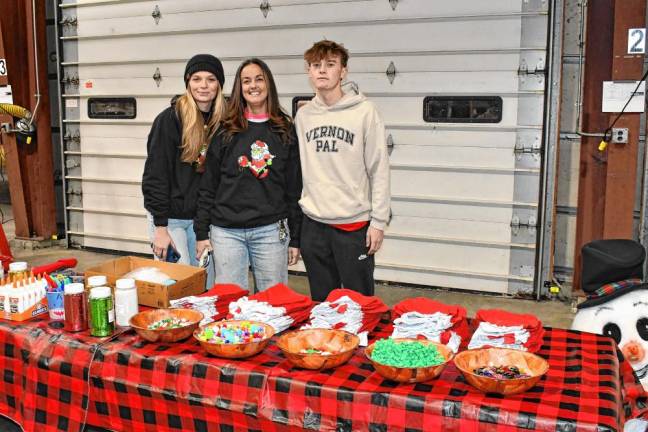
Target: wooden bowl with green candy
408, 360
166, 325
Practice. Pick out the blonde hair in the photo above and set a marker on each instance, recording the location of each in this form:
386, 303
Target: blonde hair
194, 132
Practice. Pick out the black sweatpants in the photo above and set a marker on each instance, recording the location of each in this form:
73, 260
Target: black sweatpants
336, 259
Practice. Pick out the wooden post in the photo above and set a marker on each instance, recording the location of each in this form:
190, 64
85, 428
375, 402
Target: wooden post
30, 170
606, 191
12, 160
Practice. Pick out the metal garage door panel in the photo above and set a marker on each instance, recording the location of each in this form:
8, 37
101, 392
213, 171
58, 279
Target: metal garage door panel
491, 82
477, 231
453, 156
127, 146
194, 20
108, 131
437, 208
142, 247
433, 62
113, 168
442, 279
107, 202
440, 134
112, 189
116, 225
428, 8
421, 37
468, 258
454, 185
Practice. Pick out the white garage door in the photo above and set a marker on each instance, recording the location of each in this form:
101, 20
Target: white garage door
465, 192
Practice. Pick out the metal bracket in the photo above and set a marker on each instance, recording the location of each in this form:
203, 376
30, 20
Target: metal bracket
524, 148
393, 4
516, 224
390, 144
539, 71
156, 14
391, 72
69, 21
265, 8
157, 77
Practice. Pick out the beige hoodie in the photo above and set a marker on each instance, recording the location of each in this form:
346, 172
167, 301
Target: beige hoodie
344, 161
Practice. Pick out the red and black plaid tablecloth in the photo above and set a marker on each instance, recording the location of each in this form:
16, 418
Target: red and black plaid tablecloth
133, 386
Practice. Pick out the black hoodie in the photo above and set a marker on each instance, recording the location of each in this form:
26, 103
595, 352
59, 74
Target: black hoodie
252, 180
170, 186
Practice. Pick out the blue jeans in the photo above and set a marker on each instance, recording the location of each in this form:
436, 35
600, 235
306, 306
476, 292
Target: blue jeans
183, 236
235, 249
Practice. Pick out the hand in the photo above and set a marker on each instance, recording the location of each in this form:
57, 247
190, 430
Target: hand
201, 245
374, 239
293, 255
161, 242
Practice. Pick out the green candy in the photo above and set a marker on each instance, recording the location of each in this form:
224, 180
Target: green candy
406, 354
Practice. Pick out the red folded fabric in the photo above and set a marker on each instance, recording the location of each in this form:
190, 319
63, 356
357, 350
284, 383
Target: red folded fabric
504, 318
226, 293
372, 306
297, 306
427, 306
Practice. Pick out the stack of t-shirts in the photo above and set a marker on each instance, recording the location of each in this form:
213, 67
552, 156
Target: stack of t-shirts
214, 304
502, 329
422, 318
348, 310
278, 306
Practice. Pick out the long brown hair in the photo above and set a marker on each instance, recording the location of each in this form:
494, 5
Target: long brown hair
236, 121
195, 133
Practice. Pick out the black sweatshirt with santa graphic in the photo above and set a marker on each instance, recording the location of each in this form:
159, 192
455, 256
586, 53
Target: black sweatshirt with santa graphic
252, 179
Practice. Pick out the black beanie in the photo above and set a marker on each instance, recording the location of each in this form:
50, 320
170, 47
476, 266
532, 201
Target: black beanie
204, 62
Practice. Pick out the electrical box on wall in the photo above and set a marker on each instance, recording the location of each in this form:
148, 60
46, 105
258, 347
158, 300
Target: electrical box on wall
620, 135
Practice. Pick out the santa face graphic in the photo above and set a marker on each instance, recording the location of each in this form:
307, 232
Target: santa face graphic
261, 159
624, 319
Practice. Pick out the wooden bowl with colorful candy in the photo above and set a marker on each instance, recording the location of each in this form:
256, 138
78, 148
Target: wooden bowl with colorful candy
500, 370
234, 338
166, 325
408, 360
318, 349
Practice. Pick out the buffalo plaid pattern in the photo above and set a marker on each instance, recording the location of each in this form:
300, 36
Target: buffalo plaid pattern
138, 386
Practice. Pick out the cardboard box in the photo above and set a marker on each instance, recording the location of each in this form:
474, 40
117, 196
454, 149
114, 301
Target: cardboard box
189, 280
37, 309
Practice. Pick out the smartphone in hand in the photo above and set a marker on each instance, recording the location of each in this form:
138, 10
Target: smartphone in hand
172, 255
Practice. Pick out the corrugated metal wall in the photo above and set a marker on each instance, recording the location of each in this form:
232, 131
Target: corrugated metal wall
465, 196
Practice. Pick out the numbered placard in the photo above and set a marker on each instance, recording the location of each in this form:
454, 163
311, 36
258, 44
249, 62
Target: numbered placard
3, 67
637, 41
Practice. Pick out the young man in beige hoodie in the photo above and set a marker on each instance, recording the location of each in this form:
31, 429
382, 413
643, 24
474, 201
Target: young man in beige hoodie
345, 169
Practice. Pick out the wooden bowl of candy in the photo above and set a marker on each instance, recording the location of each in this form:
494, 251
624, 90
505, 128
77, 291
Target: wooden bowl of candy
408, 360
234, 338
166, 325
318, 349
500, 370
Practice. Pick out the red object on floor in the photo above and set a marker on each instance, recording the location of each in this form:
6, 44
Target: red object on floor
58, 265
5, 251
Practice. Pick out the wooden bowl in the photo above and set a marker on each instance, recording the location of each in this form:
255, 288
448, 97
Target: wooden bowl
414, 374
234, 351
339, 342
142, 320
468, 361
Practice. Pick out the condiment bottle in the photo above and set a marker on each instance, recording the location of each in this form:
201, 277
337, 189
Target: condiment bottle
76, 307
102, 312
18, 269
125, 301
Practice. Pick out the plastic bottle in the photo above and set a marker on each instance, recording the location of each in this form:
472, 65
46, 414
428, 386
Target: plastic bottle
102, 312
18, 269
96, 281
126, 304
17, 298
76, 307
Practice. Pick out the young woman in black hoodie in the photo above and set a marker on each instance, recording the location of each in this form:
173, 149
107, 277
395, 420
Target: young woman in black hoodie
248, 199
177, 145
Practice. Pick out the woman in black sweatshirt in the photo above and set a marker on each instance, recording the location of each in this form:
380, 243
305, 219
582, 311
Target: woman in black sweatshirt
248, 199
177, 145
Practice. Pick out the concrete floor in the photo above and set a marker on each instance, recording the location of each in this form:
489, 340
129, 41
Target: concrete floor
552, 313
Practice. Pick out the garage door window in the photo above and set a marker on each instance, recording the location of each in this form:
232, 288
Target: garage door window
462, 109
